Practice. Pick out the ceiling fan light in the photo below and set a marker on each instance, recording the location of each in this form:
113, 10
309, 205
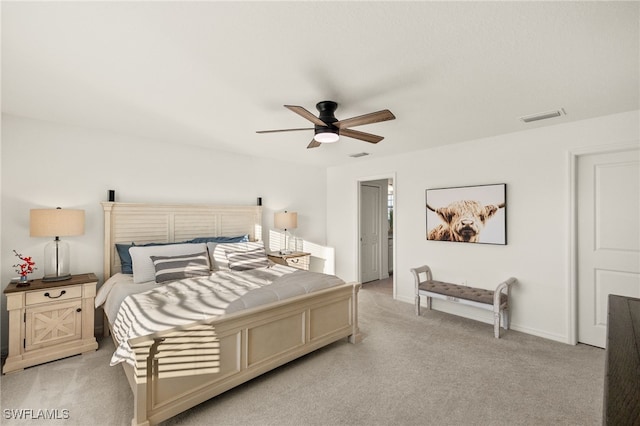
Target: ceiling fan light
327, 137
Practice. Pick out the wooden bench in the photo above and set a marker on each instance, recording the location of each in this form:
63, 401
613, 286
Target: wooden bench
493, 300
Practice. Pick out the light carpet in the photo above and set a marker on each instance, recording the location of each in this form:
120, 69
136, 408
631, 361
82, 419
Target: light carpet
436, 369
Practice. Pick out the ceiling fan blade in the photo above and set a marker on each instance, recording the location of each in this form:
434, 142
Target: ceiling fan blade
306, 114
283, 130
374, 117
314, 144
367, 137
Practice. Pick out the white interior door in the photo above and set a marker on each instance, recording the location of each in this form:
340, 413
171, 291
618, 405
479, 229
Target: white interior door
369, 233
608, 258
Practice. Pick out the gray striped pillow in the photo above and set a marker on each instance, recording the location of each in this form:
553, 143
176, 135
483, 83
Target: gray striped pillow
173, 268
249, 259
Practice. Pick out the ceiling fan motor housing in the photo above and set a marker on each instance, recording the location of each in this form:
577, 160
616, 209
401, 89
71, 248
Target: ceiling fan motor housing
327, 111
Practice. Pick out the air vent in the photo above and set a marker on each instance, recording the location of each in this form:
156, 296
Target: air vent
360, 154
543, 115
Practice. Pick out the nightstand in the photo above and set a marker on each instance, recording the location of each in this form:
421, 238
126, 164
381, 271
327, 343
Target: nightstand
50, 320
296, 259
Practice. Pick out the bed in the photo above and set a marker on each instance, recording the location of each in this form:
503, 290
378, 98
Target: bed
177, 366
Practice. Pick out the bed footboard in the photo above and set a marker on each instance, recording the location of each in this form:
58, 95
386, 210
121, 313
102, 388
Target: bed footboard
182, 367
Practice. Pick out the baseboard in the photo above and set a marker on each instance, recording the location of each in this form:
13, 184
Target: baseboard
405, 299
485, 317
541, 333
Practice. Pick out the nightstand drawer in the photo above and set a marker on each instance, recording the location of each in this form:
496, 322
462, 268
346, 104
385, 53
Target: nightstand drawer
300, 262
53, 294
296, 259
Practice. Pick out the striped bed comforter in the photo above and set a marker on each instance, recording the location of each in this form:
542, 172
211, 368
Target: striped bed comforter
165, 306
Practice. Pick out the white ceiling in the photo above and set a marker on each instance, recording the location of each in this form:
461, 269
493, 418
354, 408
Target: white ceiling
212, 73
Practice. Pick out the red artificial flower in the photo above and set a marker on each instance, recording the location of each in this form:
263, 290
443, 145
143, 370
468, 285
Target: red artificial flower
24, 268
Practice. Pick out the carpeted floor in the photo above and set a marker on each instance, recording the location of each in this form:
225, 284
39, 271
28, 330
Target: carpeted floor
436, 369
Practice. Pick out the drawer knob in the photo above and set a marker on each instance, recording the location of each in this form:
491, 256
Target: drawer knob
79, 310
55, 297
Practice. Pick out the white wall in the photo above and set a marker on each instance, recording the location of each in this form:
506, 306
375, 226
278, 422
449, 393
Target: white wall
48, 165
535, 166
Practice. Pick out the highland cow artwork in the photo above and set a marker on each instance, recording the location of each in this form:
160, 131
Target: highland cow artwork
468, 214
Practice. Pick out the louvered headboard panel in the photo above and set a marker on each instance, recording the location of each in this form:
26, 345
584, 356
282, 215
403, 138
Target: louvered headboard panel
165, 223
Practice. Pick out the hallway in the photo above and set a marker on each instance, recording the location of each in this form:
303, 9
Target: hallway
384, 286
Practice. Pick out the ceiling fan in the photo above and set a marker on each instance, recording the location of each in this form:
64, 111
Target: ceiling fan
328, 128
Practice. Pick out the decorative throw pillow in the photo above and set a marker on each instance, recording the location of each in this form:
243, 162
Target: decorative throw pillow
143, 268
249, 259
218, 252
173, 268
126, 264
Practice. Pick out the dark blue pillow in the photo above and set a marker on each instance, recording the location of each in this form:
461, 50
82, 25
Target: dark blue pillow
126, 264
221, 240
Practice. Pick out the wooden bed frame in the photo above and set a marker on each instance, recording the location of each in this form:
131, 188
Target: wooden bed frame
181, 367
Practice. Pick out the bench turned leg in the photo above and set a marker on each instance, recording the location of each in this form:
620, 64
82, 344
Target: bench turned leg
418, 304
496, 324
505, 319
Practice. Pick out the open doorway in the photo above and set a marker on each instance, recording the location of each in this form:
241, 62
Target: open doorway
376, 234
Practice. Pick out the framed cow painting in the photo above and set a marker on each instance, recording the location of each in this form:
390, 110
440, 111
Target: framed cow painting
468, 214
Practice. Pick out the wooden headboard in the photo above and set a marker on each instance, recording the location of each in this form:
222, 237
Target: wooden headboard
166, 223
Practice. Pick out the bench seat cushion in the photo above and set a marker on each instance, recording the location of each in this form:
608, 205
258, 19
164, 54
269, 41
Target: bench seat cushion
461, 292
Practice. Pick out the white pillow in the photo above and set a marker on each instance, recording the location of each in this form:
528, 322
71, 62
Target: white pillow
143, 268
246, 260
218, 252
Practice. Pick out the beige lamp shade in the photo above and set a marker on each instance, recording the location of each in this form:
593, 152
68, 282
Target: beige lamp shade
56, 222
286, 220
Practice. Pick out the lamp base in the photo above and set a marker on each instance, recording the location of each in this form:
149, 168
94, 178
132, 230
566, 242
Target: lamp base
53, 278
56, 261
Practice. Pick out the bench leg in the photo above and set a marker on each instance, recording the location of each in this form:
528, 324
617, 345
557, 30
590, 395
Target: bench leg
505, 319
496, 324
418, 304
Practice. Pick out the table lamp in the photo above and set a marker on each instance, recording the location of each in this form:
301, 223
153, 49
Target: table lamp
285, 220
56, 223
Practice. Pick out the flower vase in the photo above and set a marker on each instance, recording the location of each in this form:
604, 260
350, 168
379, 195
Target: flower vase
24, 281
